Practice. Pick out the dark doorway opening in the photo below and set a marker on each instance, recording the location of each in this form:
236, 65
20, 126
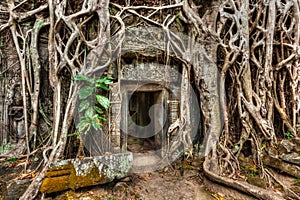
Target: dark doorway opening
143, 121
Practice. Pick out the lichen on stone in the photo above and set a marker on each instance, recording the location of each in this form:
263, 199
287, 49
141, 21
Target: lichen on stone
82, 166
115, 165
60, 163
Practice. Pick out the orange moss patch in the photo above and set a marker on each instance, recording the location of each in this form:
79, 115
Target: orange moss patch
55, 184
64, 177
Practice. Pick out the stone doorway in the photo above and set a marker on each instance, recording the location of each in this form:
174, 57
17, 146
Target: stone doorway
144, 114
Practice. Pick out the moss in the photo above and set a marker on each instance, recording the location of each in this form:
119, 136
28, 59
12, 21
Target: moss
40, 24
79, 173
190, 167
57, 173
91, 178
58, 180
59, 170
257, 181
55, 184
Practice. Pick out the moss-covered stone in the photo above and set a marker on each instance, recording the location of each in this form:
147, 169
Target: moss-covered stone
55, 184
255, 180
59, 171
93, 177
77, 173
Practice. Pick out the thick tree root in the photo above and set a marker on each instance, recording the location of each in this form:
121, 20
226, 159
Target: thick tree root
242, 186
34, 187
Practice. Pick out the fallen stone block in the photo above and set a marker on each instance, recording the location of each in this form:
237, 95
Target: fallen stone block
77, 173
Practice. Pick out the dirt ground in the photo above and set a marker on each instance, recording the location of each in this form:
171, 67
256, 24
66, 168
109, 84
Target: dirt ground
181, 180
167, 185
144, 186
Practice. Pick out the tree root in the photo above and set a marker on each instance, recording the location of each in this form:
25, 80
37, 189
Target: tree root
288, 191
34, 187
242, 186
13, 155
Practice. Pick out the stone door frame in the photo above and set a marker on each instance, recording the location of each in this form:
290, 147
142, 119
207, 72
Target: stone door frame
129, 88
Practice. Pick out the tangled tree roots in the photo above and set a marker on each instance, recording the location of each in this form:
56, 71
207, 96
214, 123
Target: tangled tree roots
242, 186
254, 44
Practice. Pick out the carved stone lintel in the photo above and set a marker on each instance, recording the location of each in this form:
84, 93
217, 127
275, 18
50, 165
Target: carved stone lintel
153, 72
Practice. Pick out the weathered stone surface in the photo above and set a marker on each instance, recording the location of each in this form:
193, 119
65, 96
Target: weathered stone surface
296, 141
291, 157
14, 189
147, 162
287, 146
3, 189
77, 173
282, 165
121, 187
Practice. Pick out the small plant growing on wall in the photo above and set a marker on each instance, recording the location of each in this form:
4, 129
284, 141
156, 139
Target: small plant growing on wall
288, 135
92, 106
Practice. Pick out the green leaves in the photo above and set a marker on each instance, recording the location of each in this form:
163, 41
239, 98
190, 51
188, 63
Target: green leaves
102, 86
105, 80
103, 101
83, 126
83, 105
84, 78
91, 104
89, 113
288, 134
98, 110
102, 82
85, 92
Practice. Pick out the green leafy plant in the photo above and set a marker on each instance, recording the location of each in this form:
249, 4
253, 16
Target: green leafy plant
296, 181
4, 147
289, 135
12, 159
245, 168
255, 172
92, 106
112, 9
178, 20
263, 147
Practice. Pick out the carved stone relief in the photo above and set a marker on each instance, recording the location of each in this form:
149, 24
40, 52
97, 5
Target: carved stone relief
153, 72
115, 115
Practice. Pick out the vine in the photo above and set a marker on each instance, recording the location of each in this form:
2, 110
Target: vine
255, 45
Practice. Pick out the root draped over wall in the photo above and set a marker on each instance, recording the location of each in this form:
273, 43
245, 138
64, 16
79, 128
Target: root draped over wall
248, 83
